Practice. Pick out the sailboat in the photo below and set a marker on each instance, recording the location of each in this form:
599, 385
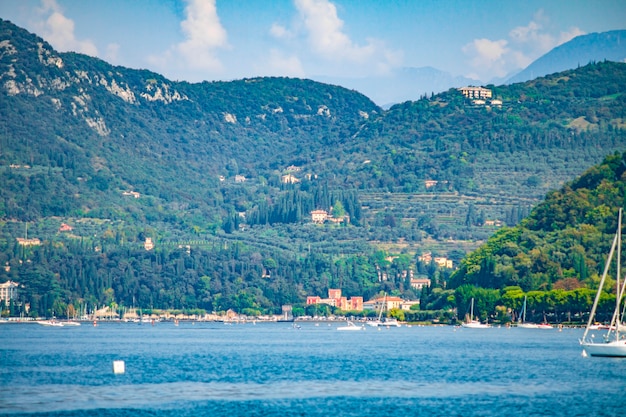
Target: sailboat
378, 322
614, 341
522, 323
474, 324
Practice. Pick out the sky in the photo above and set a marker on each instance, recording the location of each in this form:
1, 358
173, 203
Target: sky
197, 40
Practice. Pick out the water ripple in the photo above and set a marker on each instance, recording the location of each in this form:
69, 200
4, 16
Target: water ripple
61, 397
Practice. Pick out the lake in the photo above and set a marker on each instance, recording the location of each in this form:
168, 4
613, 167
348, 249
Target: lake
274, 369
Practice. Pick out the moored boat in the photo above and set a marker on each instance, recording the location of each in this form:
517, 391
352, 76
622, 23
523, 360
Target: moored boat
472, 323
350, 327
50, 323
613, 343
523, 324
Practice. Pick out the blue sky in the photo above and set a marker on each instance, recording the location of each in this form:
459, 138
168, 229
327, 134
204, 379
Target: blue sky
197, 40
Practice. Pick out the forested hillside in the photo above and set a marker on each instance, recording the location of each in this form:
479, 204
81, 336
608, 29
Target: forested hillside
222, 178
563, 242
554, 257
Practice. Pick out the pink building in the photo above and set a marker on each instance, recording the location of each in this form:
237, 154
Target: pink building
336, 300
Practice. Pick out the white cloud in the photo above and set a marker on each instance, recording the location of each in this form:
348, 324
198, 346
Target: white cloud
320, 27
279, 31
58, 30
487, 56
490, 51
325, 33
204, 34
532, 38
498, 58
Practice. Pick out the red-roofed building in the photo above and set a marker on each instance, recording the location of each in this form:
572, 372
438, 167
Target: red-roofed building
336, 300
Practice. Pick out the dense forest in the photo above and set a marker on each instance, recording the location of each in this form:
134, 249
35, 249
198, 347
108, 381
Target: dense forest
223, 177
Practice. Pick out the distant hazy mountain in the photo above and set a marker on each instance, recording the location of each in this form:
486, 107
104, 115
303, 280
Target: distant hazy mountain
610, 46
412, 83
402, 85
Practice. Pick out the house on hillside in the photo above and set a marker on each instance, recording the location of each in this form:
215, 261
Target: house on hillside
322, 216
28, 242
496, 223
476, 93
419, 283
8, 291
289, 179
319, 216
441, 261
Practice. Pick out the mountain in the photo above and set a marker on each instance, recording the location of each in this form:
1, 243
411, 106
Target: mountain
404, 84
581, 50
98, 163
110, 129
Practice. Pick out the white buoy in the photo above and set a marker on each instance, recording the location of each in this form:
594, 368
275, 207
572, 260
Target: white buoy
118, 367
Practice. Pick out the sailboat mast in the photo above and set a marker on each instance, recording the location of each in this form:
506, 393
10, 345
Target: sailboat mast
604, 274
618, 292
615, 320
380, 313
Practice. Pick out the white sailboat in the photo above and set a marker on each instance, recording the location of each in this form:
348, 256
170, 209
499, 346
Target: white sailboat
474, 324
387, 321
522, 323
377, 322
614, 341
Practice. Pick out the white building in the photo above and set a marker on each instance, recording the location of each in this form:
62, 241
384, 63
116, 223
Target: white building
8, 291
476, 92
319, 216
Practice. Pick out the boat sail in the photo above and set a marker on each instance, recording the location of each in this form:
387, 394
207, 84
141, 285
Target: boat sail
474, 324
614, 343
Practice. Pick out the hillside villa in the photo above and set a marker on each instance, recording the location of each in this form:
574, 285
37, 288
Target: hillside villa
8, 291
476, 93
441, 261
322, 216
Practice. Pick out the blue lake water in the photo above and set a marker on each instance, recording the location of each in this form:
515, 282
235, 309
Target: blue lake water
272, 369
